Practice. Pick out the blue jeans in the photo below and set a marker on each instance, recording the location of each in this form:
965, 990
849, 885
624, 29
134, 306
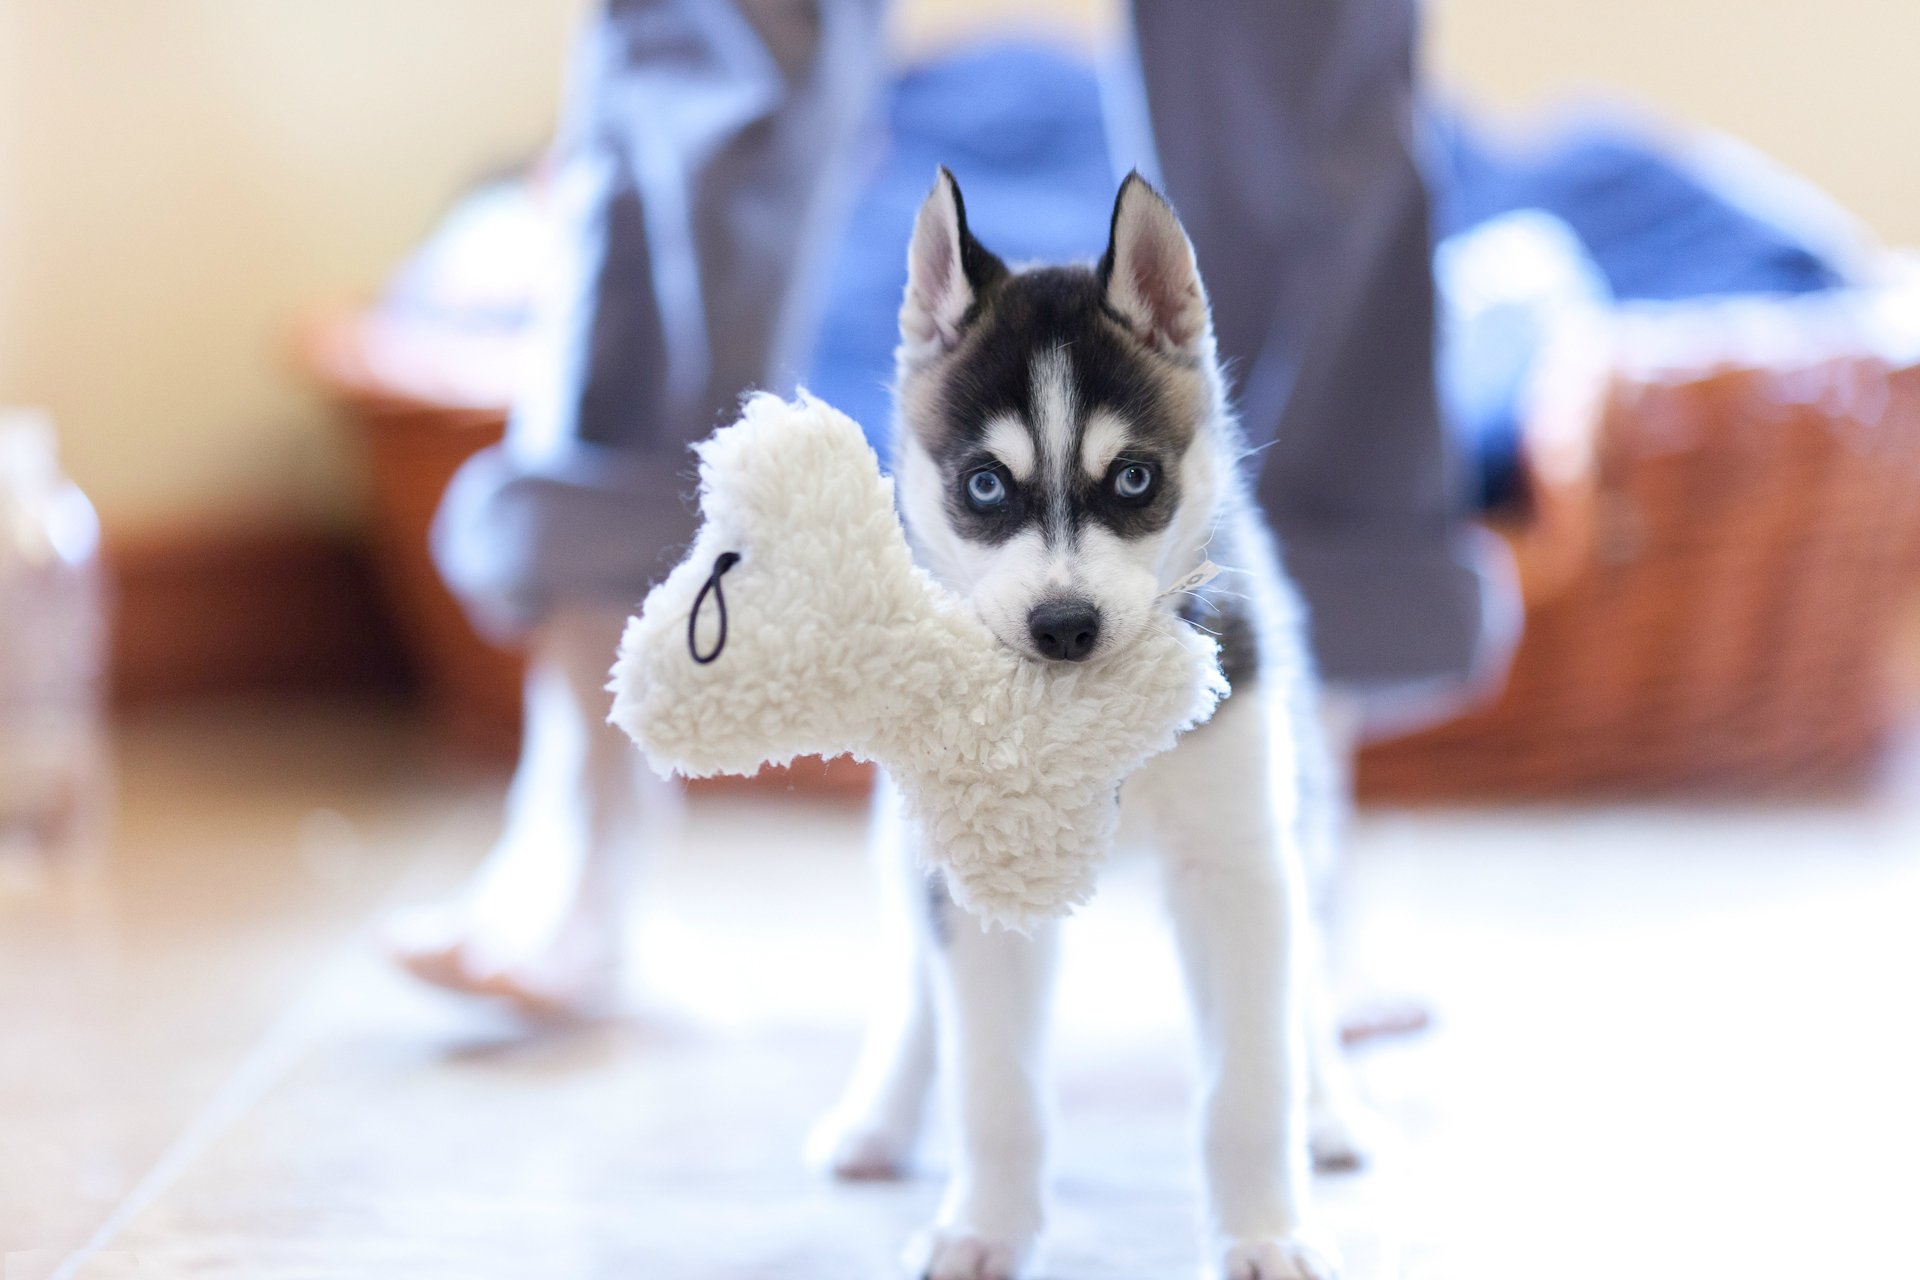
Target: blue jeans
702, 169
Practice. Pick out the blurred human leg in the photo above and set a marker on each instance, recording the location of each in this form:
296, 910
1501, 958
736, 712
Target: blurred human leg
540, 922
698, 173
699, 170
1285, 134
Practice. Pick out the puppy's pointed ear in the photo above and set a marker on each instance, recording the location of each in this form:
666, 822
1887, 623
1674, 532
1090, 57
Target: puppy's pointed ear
947, 273
1151, 278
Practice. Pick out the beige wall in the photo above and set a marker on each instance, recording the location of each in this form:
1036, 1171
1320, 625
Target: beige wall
1829, 87
179, 179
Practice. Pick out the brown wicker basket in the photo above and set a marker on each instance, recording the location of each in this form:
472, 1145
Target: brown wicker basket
1753, 490
421, 401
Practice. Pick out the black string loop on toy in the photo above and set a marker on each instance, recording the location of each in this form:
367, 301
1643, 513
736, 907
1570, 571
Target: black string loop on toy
721, 563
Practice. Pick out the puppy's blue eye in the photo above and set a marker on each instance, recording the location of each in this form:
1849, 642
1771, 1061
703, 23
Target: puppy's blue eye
985, 489
1134, 482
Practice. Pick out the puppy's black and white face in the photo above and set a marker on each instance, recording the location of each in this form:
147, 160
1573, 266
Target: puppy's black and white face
1060, 450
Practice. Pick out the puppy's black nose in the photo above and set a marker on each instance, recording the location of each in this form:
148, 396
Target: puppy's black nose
1064, 630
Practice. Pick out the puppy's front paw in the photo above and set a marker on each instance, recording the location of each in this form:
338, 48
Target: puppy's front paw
1284, 1258
951, 1254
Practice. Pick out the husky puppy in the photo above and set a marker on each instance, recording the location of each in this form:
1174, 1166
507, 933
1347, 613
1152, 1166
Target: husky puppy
1065, 453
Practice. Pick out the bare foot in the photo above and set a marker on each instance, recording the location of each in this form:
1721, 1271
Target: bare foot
1384, 1019
541, 924
560, 961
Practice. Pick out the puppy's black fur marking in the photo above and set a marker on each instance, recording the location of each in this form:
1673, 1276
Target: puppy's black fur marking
1222, 609
1022, 319
982, 269
1230, 621
1104, 270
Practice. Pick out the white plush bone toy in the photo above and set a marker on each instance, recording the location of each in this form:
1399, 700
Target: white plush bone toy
798, 624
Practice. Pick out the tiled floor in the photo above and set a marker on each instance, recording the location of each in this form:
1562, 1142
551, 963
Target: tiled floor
1668, 1043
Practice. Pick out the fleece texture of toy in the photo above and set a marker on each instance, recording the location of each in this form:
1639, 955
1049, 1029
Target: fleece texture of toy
836, 642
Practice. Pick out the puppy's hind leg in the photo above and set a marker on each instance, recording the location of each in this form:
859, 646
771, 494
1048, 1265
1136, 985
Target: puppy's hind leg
872, 1132
1343, 1131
